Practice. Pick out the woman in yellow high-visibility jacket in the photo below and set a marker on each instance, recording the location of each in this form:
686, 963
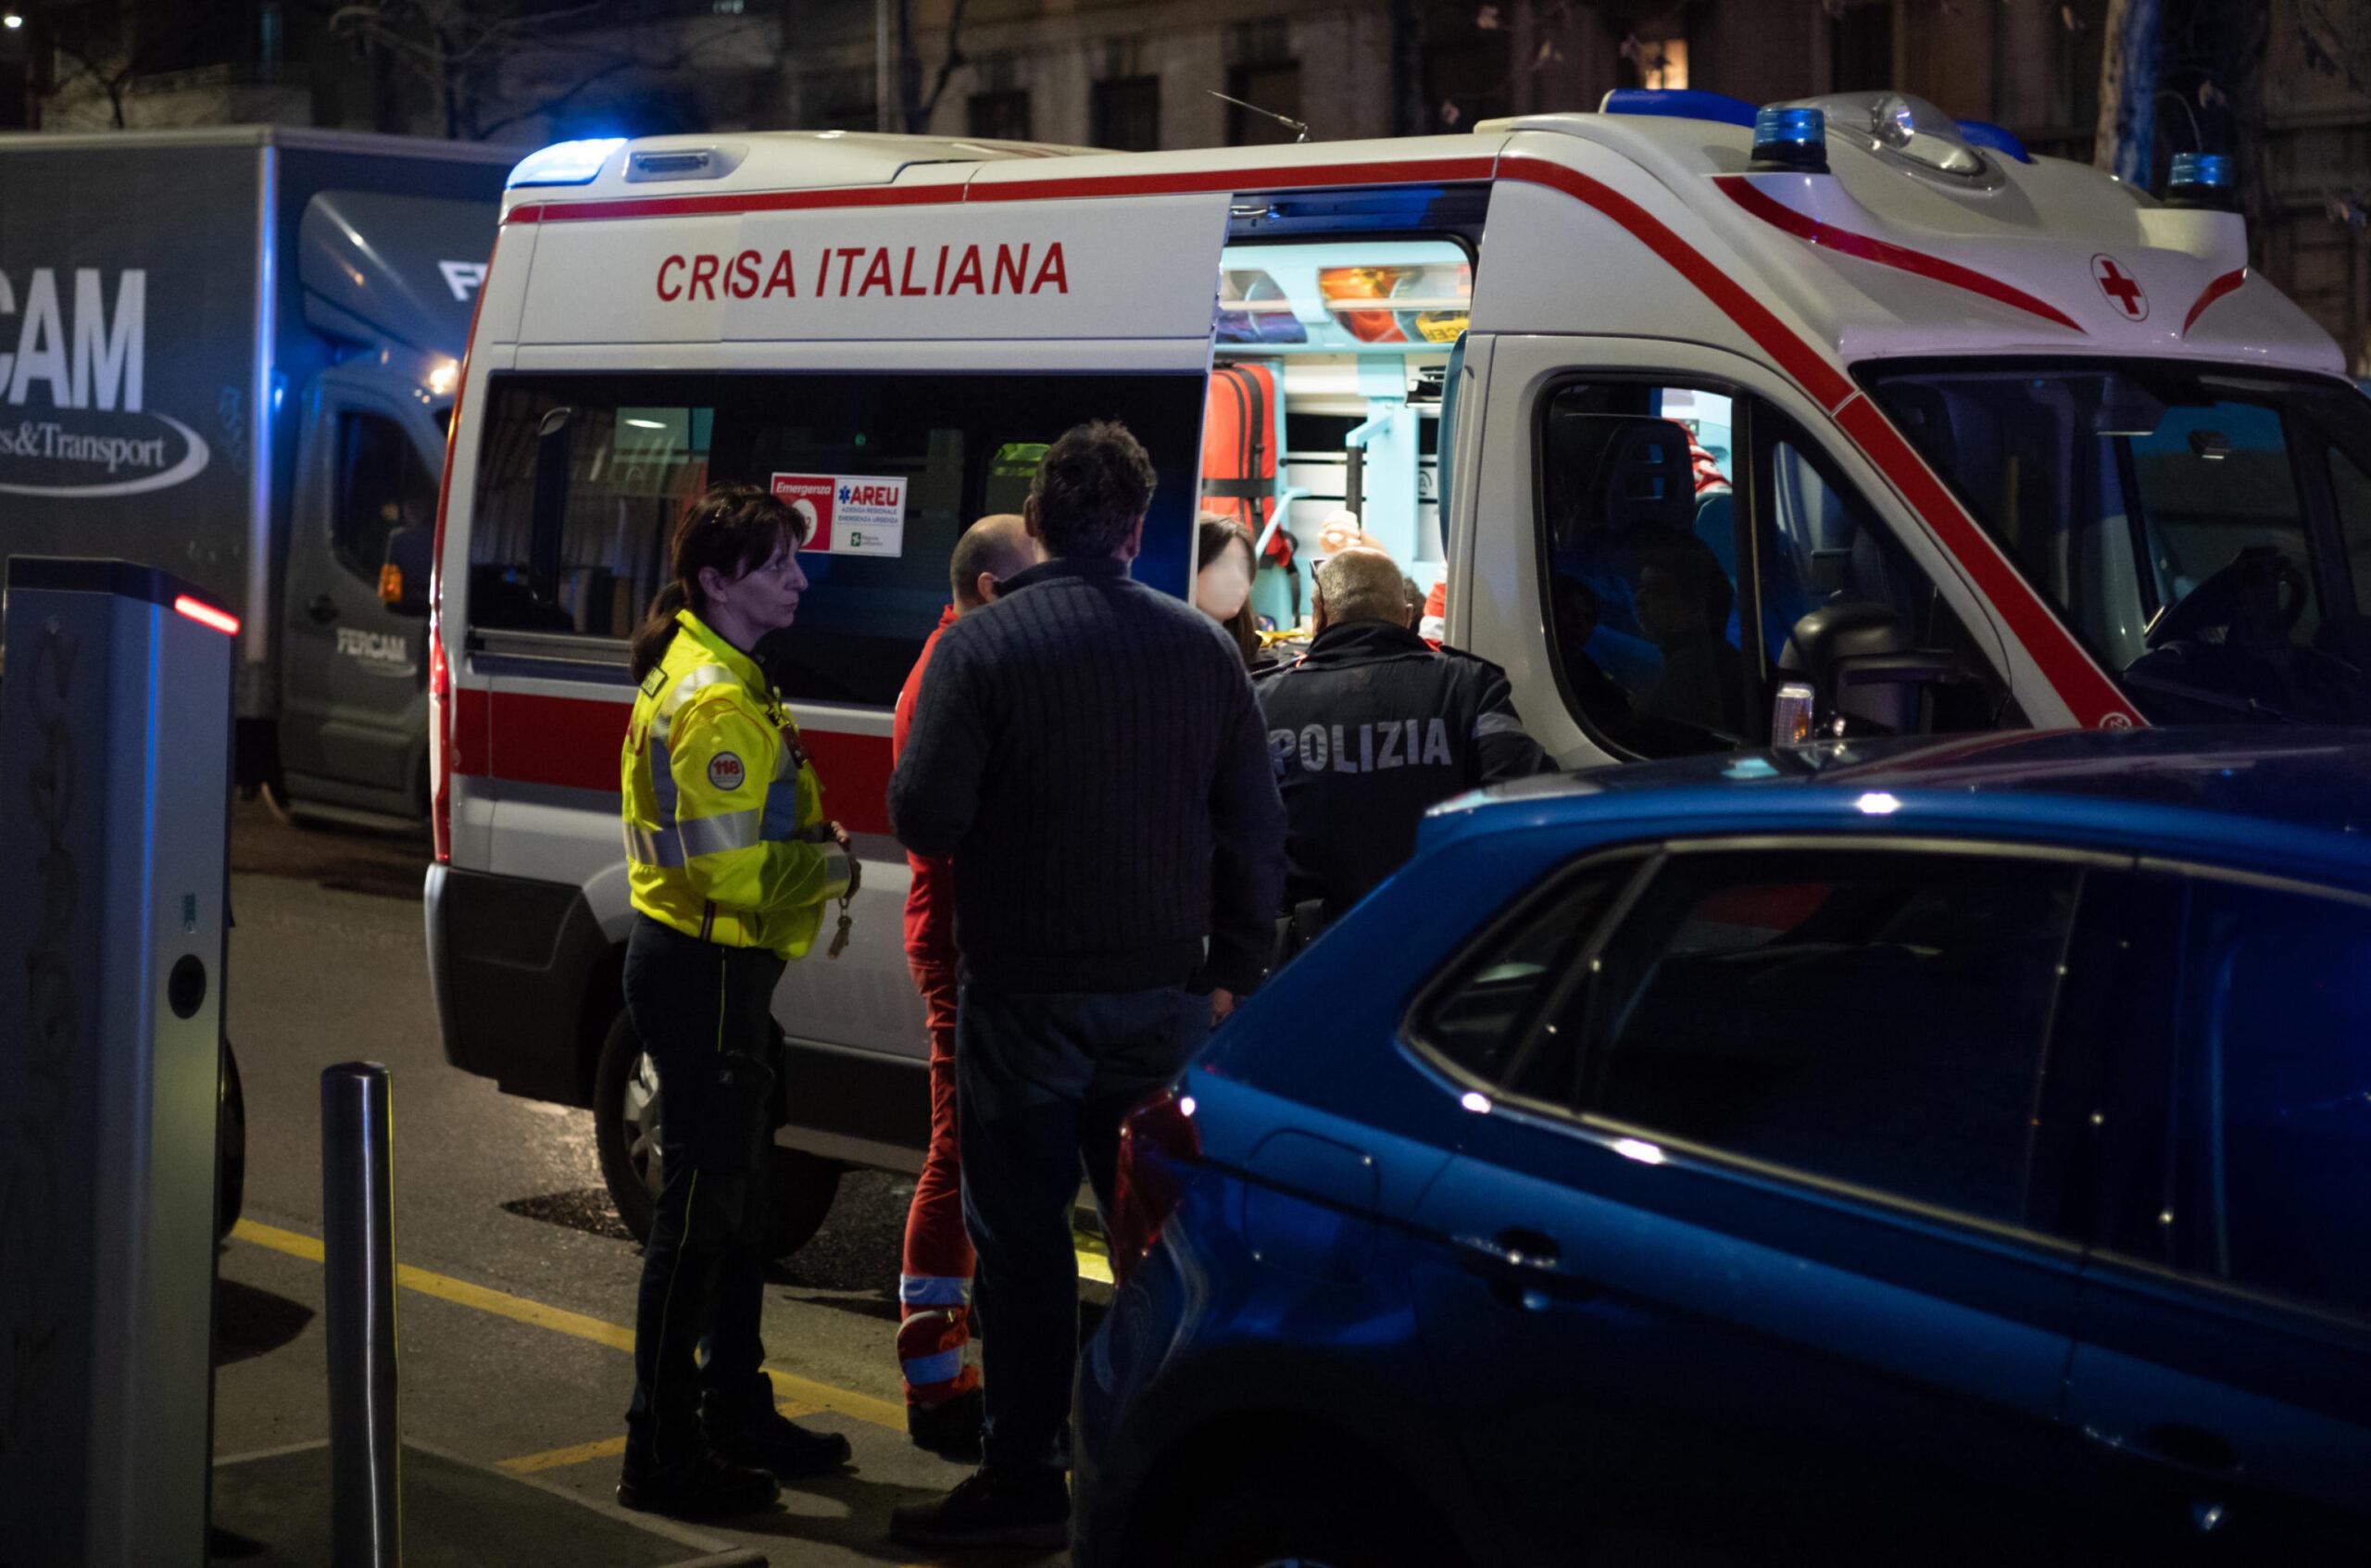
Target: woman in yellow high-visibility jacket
732, 863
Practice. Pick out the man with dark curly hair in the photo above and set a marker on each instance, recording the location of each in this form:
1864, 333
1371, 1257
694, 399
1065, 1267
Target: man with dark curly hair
1089, 751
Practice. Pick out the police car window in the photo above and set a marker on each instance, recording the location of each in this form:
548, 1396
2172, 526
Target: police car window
381, 485
2351, 489
1640, 542
2161, 509
2273, 1121
1480, 1017
1874, 1017
582, 478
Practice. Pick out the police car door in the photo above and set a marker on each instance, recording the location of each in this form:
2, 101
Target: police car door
1652, 519
354, 726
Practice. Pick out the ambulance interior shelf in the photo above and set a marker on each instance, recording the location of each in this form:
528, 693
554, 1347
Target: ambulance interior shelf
1345, 344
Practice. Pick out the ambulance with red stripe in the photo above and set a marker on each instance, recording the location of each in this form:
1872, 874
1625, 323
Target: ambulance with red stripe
1840, 411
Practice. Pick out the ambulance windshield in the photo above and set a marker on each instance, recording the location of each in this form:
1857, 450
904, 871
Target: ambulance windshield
2207, 532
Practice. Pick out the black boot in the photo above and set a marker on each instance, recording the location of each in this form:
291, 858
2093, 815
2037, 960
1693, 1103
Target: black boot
949, 1429
1023, 1508
708, 1488
774, 1442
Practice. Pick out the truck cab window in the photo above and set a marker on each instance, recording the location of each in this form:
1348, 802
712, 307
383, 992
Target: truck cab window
1640, 562
381, 485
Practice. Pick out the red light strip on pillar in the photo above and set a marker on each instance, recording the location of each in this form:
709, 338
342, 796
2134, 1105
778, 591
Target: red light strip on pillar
206, 615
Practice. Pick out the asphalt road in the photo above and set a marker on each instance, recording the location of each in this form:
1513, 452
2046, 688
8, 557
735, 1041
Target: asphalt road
518, 1280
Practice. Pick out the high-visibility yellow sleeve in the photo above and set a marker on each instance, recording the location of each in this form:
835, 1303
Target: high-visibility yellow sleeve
726, 761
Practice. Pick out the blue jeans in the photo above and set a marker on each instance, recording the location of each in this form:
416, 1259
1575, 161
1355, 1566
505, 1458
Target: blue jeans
1042, 1080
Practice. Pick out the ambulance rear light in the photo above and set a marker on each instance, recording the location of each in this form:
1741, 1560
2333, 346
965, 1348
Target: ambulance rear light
2198, 180
1788, 138
565, 163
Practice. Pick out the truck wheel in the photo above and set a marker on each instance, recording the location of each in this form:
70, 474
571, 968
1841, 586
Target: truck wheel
625, 1134
231, 1174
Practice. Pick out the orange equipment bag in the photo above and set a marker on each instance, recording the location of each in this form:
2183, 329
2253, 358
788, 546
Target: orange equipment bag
1239, 452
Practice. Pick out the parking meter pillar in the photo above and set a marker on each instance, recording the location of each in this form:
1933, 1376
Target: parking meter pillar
115, 768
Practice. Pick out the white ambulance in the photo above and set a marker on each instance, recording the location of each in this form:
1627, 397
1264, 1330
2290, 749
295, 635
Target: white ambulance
1684, 402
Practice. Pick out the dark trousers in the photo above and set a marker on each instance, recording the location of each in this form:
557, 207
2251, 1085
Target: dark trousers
1044, 1079
705, 1015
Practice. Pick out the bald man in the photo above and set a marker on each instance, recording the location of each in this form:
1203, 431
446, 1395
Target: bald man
1372, 727
943, 1404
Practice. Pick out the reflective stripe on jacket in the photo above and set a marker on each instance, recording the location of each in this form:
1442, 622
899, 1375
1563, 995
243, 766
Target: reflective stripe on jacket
724, 830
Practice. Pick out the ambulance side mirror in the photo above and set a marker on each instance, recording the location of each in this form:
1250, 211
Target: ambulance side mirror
403, 576
1852, 661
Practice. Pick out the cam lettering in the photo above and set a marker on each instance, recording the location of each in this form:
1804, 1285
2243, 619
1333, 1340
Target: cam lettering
99, 359
1363, 748
864, 271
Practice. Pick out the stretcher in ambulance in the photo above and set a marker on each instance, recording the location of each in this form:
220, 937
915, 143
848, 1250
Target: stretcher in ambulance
1839, 415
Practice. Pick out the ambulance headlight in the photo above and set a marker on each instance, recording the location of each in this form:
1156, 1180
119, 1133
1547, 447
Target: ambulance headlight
566, 163
2198, 180
1788, 138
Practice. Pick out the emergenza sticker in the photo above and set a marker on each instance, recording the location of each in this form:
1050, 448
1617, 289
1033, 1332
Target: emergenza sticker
848, 514
724, 771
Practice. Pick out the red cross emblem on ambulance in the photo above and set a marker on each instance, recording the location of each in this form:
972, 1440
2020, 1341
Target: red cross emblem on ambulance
2122, 288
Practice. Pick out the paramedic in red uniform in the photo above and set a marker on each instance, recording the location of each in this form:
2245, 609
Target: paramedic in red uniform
934, 1286
730, 865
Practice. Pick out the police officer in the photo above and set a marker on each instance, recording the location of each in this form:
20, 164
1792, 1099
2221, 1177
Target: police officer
731, 864
1371, 727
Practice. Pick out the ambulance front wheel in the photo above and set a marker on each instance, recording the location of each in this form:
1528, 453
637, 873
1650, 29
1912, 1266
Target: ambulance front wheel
625, 1134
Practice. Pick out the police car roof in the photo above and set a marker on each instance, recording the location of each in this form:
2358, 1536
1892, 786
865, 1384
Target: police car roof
2296, 800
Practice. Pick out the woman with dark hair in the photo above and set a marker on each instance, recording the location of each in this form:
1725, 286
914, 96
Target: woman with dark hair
1223, 582
730, 863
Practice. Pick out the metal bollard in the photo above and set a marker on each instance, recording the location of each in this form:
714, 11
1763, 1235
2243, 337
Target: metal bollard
359, 1245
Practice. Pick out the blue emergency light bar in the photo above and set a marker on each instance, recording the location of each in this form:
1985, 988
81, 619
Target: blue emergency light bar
565, 163
1678, 103
1984, 133
1790, 139
2198, 180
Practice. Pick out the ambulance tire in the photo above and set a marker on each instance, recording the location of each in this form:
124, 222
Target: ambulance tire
1312, 1515
625, 1137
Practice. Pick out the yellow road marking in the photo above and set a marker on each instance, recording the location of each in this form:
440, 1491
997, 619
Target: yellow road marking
555, 1458
798, 1391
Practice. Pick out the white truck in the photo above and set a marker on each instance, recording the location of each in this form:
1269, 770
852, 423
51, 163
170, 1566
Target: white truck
1697, 409
231, 353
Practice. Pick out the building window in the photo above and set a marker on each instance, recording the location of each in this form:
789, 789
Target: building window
1662, 63
1274, 87
1126, 114
1861, 48
999, 117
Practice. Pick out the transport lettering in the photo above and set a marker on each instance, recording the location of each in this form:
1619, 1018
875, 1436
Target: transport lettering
864, 271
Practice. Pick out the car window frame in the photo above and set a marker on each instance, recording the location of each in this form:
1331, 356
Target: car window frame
2068, 1167
2156, 1136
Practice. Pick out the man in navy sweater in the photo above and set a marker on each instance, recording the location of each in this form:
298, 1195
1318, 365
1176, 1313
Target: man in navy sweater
1089, 751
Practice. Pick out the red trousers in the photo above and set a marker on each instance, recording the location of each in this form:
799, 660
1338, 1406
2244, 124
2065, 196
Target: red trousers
934, 1288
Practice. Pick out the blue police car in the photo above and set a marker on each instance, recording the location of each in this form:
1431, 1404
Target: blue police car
1877, 1151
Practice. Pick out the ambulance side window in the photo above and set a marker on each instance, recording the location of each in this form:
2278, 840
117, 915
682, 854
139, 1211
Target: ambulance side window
1819, 543
1640, 542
